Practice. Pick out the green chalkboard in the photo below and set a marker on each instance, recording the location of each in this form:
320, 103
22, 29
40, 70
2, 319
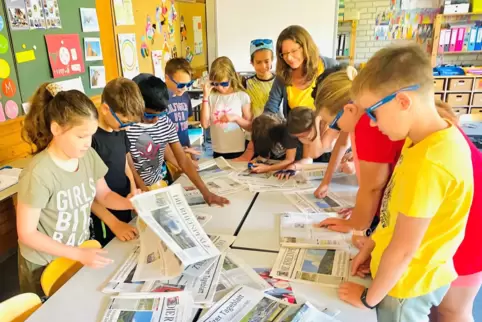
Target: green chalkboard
33, 73
10, 101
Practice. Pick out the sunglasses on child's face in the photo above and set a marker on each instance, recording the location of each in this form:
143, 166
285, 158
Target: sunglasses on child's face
151, 116
222, 84
334, 124
122, 125
261, 42
181, 85
386, 100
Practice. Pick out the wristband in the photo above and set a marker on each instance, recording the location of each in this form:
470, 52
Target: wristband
363, 299
362, 233
205, 101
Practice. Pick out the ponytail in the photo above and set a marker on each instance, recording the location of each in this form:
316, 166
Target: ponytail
51, 104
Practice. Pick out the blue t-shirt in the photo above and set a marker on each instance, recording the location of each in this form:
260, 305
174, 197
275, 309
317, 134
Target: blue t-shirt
180, 109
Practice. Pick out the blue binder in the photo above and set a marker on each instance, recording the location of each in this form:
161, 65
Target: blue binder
478, 40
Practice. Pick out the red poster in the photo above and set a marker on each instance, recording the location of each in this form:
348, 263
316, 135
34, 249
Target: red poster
65, 55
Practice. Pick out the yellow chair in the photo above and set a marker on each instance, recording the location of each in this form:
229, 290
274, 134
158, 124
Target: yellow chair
60, 270
19, 308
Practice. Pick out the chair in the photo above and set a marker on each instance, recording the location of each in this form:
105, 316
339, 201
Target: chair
60, 270
19, 308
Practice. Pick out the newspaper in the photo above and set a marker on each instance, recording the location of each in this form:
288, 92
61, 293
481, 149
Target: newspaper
214, 168
299, 229
306, 201
247, 304
202, 218
202, 288
122, 281
220, 185
262, 179
309, 313
329, 267
8, 177
154, 307
236, 272
168, 214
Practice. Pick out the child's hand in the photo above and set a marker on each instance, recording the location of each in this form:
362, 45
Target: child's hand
285, 174
345, 213
351, 293
92, 257
229, 118
360, 265
213, 199
123, 231
192, 151
260, 168
335, 224
321, 191
207, 87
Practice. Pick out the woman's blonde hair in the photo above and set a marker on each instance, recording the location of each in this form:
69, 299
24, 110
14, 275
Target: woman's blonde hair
311, 54
222, 68
446, 111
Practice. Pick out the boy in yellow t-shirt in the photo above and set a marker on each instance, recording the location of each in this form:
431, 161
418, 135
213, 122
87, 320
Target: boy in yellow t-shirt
425, 206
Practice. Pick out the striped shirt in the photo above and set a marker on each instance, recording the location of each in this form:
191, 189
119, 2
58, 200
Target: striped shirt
147, 145
258, 90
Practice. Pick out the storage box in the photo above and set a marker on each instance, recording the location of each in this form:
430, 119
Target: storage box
439, 84
458, 99
477, 100
478, 84
476, 111
460, 110
438, 97
457, 8
460, 84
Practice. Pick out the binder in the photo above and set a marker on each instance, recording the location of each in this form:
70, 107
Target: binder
342, 48
465, 46
453, 38
441, 41
460, 39
447, 39
346, 51
478, 40
339, 45
472, 38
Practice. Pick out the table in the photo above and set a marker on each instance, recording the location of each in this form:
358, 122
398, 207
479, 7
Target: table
20, 163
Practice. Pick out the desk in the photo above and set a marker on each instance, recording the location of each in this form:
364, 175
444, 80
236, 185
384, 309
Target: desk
9, 192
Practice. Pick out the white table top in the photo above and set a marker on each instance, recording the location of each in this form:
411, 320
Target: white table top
20, 163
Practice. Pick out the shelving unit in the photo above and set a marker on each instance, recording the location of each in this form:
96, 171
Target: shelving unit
463, 93
442, 19
342, 24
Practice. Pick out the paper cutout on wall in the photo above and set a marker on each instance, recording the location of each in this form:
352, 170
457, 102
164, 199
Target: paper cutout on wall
4, 68
124, 14
174, 51
65, 55
2, 113
189, 55
150, 29
128, 54
88, 17
157, 64
171, 32
97, 76
3, 44
173, 13
183, 29
198, 35
70, 84
17, 14
144, 48
2, 23
93, 49
8, 88
52, 14
25, 56
11, 109
35, 14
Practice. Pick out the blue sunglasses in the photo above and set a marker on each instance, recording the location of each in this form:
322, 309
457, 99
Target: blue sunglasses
181, 85
387, 99
122, 125
223, 84
151, 116
261, 42
334, 124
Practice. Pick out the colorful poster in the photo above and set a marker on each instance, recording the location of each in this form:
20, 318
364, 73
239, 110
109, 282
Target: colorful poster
52, 14
88, 17
93, 49
198, 35
35, 13
65, 55
157, 64
97, 76
17, 14
128, 55
124, 15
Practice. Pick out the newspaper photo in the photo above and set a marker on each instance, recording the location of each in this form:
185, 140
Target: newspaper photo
220, 185
245, 304
214, 168
329, 267
306, 201
168, 214
299, 229
309, 313
203, 219
122, 281
154, 307
195, 198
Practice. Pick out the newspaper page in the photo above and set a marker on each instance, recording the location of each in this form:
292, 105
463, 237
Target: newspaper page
306, 201
194, 198
202, 288
154, 307
122, 281
262, 179
299, 229
329, 267
220, 185
168, 214
309, 313
214, 168
202, 218
247, 304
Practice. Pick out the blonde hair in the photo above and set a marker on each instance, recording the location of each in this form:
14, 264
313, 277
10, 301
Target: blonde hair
222, 68
446, 111
333, 93
311, 54
393, 68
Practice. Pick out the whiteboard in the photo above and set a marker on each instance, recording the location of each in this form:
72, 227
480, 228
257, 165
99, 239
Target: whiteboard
237, 22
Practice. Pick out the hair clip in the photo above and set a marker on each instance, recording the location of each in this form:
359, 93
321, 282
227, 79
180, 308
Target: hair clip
351, 72
54, 89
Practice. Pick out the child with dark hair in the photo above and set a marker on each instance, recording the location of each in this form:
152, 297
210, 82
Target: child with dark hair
149, 139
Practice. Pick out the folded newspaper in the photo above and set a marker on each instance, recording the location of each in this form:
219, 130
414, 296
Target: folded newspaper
325, 266
309, 313
167, 213
220, 185
306, 201
247, 304
154, 307
202, 218
214, 168
122, 281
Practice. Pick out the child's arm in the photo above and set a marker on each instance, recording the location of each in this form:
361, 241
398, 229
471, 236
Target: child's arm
121, 230
27, 222
110, 199
188, 168
130, 175
289, 159
248, 154
205, 107
169, 156
137, 178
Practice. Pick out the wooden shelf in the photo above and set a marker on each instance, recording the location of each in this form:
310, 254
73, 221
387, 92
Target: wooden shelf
461, 14
460, 52
343, 57
351, 56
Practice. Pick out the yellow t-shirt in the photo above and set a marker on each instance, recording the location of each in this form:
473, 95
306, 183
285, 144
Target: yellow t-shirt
258, 90
432, 179
302, 97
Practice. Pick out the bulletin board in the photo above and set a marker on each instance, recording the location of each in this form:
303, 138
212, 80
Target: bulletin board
188, 11
32, 73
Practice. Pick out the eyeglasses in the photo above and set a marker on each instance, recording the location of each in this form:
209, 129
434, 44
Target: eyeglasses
388, 99
223, 84
181, 85
291, 52
122, 125
151, 116
334, 124
261, 42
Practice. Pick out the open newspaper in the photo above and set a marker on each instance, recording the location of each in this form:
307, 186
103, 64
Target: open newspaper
298, 230
169, 216
214, 168
195, 199
325, 266
220, 185
202, 288
262, 182
122, 281
247, 304
306, 201
309, 313
154, 307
